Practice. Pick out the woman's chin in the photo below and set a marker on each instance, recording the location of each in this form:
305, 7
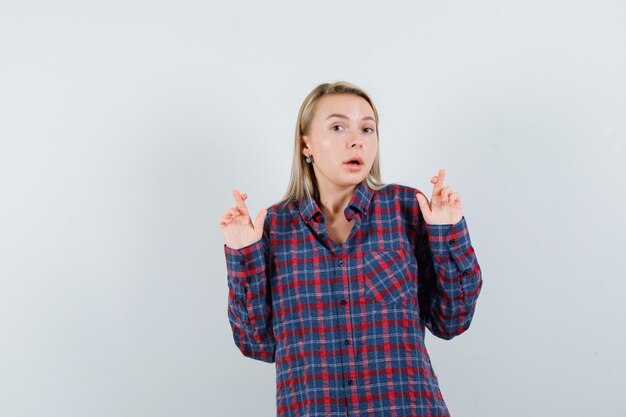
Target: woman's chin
352, 179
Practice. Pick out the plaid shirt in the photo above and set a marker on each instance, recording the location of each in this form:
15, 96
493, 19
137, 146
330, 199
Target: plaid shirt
345, 324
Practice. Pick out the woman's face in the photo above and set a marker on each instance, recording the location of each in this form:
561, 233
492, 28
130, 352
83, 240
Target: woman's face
342, 140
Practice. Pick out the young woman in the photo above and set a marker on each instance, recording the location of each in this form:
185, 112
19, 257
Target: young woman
337, 283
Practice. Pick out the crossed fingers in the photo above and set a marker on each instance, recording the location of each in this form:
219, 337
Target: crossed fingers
239, 208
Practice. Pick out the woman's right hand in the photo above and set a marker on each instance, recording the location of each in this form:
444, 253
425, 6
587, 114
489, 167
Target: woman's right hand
237, 226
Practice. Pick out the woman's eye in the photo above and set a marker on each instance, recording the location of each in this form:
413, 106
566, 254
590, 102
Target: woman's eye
369, 130
336, 128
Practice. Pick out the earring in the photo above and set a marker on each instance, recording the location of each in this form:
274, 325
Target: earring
308, 159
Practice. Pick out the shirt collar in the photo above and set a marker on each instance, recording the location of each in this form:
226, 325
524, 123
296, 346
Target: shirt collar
309, 210
361, 199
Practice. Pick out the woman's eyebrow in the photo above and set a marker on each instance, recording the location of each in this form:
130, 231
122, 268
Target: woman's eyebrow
343, 116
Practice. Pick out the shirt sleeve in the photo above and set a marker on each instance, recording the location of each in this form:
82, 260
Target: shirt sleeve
450, 278
249, 300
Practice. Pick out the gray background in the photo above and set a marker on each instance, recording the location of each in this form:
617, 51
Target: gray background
125, 124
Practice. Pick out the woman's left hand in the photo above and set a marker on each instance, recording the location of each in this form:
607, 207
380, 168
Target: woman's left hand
445, 204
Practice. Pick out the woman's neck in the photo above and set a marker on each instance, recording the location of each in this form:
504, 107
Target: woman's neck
334, 200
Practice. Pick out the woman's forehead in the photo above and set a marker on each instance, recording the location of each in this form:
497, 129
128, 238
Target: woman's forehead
347, 105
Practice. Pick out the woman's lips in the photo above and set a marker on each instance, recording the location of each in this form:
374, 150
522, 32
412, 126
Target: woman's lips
353, 166
353, 160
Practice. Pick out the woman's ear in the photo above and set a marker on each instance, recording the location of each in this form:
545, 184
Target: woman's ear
306, 150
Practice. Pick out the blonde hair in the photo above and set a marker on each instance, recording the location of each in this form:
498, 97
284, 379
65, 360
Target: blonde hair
302, 183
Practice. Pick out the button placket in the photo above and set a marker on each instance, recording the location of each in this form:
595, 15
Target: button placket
340, 267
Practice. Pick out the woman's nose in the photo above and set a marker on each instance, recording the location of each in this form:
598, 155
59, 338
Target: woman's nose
355, 141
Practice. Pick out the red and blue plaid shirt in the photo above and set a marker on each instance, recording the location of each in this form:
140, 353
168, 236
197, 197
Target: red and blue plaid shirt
345, 324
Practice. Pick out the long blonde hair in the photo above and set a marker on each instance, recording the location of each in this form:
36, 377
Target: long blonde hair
302, 183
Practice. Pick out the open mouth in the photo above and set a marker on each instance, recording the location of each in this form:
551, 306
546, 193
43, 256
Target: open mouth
356, 161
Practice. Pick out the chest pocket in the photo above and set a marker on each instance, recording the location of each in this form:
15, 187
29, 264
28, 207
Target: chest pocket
388, 278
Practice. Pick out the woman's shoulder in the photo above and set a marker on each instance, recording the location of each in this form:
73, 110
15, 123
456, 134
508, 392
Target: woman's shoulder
282, 209
401, 191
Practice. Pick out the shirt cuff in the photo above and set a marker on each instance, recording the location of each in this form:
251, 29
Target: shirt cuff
249, 257
451, 239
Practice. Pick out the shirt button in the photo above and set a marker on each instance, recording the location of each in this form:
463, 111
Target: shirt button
340, 263
350, 382
347, 341
452, 242
344, 302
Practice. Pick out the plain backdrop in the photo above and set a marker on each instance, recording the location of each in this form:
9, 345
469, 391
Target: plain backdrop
125, 124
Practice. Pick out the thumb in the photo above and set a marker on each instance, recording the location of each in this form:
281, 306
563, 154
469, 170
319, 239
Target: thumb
260, 219
423, 203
